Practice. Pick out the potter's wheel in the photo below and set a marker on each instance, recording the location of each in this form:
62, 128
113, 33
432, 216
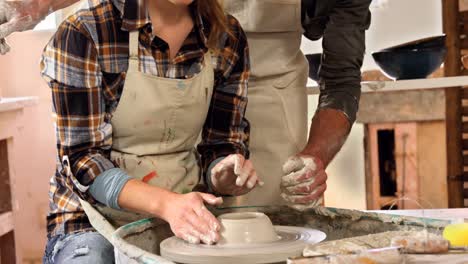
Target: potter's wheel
291, 242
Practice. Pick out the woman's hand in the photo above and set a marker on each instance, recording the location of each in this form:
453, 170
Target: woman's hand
186, 213
234, 175
190, 220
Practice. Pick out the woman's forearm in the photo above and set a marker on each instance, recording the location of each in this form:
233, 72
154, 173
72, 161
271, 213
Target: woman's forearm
186, 213
140, 197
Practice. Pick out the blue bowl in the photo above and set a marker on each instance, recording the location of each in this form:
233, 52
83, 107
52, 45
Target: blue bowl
314, 65
404, 64
435, 42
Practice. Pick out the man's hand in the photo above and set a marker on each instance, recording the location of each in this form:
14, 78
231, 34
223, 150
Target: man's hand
304, 181
234, 175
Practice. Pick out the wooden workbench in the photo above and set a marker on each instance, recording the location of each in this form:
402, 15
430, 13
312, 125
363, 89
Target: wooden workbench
455, 215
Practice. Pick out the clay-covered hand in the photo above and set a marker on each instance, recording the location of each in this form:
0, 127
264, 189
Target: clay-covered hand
190, 220
304, 181
16, 16
234, 175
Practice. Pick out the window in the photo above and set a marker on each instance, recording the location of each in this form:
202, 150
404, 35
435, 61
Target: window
387, 164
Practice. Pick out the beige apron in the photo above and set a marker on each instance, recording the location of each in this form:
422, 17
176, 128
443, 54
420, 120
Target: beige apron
277, 108
155, 128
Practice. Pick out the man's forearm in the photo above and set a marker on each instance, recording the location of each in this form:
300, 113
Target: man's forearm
49, 6
60, 4
328, 132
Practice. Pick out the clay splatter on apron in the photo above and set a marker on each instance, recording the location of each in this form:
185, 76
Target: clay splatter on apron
150, 176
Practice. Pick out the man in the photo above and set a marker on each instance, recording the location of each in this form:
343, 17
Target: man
277, 107
277, 94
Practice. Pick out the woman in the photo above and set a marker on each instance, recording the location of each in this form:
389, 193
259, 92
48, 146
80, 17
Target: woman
133, 85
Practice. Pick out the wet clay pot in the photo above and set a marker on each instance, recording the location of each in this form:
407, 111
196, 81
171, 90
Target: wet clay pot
246, 228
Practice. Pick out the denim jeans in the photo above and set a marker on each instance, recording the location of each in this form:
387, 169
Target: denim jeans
85, 247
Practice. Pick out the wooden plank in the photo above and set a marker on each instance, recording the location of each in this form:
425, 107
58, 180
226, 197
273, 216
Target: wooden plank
465, 127
373, 177
451, 20
6, 223
465, 193
7, 249
465, 110
368, 169
452, 67
464, 17
373, 182
464, 43
404, 85
463, 31
463, 5
406, 156
465, 93
5, 192
464, 70
432, 164
402, 106
455, 160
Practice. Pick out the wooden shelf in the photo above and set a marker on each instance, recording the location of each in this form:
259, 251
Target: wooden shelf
10, 110
16, 103
6, 223
406, 85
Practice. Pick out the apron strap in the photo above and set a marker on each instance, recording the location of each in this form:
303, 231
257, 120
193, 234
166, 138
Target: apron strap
133, 44
133, 51
208, 60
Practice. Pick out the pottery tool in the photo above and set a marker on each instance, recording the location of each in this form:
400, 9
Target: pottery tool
389, 255
424, 242
246, 238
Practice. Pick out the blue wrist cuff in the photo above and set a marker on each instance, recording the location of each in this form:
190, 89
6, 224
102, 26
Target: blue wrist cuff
107, 186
